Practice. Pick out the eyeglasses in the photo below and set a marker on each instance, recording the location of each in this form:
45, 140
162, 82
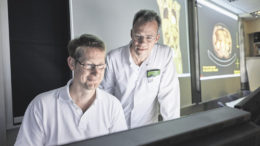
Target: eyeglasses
92, 66
148, 38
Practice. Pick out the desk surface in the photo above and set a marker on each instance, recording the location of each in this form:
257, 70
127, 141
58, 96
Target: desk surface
219, 102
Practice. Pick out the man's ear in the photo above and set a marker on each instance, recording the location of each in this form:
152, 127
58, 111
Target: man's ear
131, 34
157, 37
71, 63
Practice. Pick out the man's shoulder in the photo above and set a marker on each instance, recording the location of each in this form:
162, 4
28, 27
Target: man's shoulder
163, 48
163, 51
47, 97
117, 51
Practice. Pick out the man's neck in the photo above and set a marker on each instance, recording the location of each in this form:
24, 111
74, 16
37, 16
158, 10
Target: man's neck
138, 59
82, 97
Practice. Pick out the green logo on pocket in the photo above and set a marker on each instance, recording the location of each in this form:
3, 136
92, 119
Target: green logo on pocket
153, 73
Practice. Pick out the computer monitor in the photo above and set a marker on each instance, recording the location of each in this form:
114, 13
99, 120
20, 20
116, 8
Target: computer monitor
218, 127
251, 103
253, 69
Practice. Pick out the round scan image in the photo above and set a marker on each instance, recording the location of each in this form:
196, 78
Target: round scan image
222, 41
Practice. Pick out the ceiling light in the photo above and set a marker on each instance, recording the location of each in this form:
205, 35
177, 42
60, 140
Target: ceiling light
256, 13
219, 9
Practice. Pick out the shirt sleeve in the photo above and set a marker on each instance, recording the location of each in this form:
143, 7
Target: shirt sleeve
118, 118
31, 131
169, 90
108, 82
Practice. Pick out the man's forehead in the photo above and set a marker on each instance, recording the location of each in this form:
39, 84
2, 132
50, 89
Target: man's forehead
142, 22
89, 48
93, 53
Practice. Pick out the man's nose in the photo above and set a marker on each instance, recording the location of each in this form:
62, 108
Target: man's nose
142, 40
94, 70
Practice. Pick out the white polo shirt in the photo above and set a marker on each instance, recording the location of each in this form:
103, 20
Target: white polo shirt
144, 90
52, 118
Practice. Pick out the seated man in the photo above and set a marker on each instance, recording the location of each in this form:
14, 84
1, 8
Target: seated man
78, 110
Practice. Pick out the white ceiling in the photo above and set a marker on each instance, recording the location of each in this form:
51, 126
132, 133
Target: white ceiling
241, 7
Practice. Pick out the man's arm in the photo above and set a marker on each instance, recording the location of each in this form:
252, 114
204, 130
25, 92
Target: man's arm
108, 82
31, 131
169, 90
118, 118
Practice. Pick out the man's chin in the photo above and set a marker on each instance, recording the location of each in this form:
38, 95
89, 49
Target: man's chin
91, 86
139, 49
142, 52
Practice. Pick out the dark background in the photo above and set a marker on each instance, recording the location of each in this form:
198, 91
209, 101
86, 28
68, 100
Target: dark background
39, 33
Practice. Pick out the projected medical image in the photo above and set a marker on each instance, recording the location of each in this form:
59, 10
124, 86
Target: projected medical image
218, 43
222, 41
170, 15
222, 46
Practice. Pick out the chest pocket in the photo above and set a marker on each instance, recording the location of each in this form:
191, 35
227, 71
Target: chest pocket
153, 84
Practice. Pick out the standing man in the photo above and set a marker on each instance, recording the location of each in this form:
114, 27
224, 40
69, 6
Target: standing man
142, 74
78, 110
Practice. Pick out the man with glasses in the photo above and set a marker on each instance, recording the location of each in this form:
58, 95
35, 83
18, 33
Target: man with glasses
78, 110
142, 74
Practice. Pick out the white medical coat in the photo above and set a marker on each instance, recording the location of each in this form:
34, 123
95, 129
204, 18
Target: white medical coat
143, 97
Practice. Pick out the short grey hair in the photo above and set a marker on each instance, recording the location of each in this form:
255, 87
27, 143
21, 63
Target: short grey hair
147, 16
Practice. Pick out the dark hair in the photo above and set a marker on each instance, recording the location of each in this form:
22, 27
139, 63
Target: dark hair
85, 40
147, 16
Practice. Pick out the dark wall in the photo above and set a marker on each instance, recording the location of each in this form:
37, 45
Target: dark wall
39, 34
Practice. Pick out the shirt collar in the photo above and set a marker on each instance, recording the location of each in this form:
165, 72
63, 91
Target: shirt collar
65, 94
128, 54
152, 55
